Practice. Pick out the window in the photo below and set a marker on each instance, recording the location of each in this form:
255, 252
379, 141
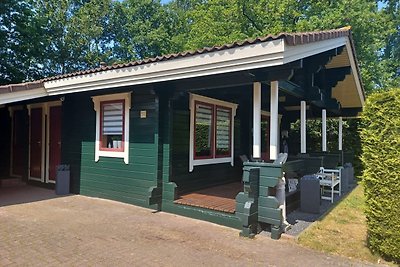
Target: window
211, 131
112, 126
204, 131
223, 132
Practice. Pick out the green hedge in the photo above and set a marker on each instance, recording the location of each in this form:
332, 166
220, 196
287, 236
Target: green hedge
380, 137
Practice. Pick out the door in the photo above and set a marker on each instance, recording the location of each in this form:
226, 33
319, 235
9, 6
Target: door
36, 144
54, 143
18, 144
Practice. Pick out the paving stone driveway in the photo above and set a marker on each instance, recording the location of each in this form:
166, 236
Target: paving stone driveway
81, 231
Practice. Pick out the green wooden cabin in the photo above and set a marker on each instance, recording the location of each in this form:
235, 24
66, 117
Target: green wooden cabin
163, 132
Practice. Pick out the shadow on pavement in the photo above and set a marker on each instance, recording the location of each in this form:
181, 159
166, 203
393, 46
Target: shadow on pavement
21, 194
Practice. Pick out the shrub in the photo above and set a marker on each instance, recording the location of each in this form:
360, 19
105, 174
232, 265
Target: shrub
380, 137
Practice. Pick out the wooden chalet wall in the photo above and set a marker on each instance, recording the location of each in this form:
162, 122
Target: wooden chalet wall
5, 144
5, 135
111, 178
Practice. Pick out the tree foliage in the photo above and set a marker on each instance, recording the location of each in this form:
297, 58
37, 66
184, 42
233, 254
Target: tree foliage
20, 43
46, 37
222, 21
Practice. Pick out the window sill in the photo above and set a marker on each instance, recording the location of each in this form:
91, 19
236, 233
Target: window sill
113, 154
198, 162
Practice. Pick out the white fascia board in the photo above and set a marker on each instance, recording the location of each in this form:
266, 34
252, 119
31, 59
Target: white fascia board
22, 95
296, 52
253, 56
355, 72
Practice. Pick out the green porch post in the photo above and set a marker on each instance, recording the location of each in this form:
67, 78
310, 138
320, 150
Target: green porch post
247, 201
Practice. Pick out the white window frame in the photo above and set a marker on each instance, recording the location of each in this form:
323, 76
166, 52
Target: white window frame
112, 154
193, 98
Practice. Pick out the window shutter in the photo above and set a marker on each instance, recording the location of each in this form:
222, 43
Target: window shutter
223, 130
113, 118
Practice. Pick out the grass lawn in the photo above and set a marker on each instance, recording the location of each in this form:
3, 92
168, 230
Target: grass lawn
342, 231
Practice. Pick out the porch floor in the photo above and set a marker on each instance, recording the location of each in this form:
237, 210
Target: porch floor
219, 198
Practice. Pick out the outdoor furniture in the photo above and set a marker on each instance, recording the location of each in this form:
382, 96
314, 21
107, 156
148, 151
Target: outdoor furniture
328, 180
310, 194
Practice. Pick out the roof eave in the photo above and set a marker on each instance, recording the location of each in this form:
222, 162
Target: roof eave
260, 55
16, 96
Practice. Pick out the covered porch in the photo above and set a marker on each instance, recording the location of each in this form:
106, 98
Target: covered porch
219, 121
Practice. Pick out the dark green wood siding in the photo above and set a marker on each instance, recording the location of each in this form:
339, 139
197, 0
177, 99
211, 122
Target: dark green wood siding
110, 177
5, 144
5, 134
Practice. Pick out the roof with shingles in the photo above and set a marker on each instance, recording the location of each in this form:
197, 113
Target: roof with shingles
291, 39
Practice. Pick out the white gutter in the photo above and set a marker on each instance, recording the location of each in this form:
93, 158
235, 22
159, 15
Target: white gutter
22, 95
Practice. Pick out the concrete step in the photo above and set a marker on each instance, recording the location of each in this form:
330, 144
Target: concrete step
11, 182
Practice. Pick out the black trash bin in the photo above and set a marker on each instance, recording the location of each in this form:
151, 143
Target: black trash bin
62, 180
310, 194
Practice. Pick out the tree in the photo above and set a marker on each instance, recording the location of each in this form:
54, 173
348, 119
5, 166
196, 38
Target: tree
20, 43
369, 26
391, 54
91, 34
48, 37
141, 30
74, 33
215, 22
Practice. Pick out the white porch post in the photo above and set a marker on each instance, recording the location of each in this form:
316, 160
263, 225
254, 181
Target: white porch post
324, 130
256, 120
340, 141
274, 125
303, 127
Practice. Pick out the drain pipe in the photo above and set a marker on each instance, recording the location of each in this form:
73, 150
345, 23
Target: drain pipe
281, 196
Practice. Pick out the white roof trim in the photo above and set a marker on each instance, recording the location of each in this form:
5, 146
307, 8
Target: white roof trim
265, 54
22, 95
355, 72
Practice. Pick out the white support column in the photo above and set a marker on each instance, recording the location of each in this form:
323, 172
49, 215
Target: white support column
340, 141
324, 130
256, 120
303, 127
274, 125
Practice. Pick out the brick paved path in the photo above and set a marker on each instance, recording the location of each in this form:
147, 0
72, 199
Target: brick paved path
82, 231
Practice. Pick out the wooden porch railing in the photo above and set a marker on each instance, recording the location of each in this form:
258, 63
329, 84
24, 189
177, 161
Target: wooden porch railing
257, 203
